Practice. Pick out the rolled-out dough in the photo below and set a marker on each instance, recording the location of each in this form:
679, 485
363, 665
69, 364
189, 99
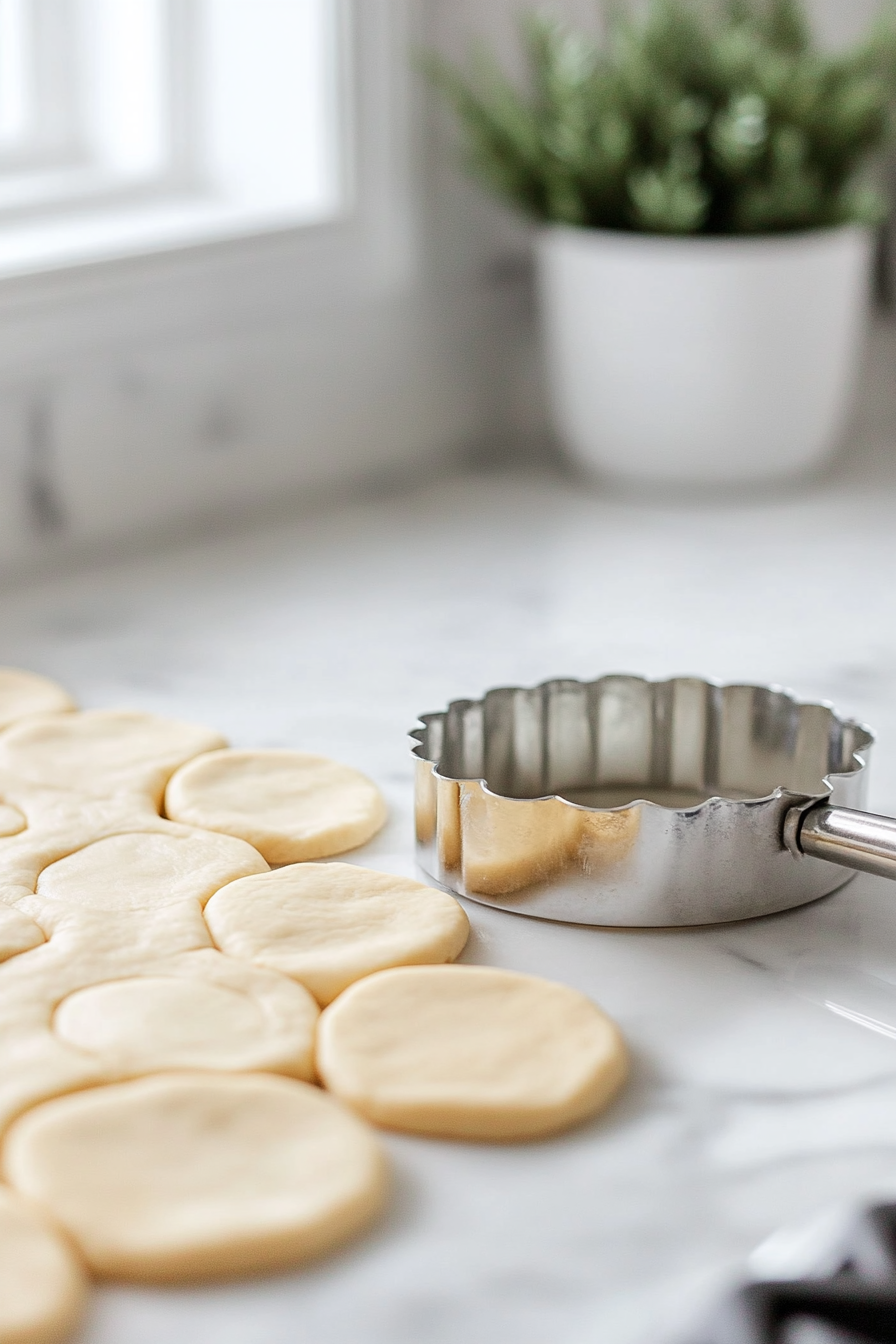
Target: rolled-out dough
469, 1052
289, 805
25, 693
329, 924
12, 821
18, 933
61, 821
182, 1177
103, 751
52, 1038
150, 1023
42, 1285
149, 868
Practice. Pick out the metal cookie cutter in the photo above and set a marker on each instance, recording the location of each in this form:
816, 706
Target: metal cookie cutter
630, 802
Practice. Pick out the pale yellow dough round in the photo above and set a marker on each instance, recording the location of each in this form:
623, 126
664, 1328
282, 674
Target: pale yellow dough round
12, 821
25, 693
103, 751
149, 1023
18, 933
329, 924
289, 805
181, 1177
469, 1052
42, 1285
148, 868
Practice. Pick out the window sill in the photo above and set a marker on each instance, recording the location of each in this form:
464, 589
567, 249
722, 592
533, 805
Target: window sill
54, 242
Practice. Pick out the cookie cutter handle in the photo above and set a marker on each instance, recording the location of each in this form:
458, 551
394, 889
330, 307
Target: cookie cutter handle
859, 840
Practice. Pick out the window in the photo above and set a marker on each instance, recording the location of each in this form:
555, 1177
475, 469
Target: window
134, 125
318, 345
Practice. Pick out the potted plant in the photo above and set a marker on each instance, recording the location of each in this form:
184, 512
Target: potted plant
705, 229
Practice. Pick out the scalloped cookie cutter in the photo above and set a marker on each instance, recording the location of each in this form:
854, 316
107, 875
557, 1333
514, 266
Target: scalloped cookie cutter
639, 803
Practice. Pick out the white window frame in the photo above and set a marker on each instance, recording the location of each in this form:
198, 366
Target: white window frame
36, 41
368, 249
201, 380
72, 196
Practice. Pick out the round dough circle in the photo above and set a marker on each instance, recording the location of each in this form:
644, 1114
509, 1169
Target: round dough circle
103, 751
162, 1022
148, 868
289, 805
18, 933
469, 1052
12, 821
25, 693
329, 924
180, 1177
42, 1286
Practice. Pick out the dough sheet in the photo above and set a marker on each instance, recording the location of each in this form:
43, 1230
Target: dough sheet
143, 869
103, 751
145, 967
23, 694
42, 1284
18, 933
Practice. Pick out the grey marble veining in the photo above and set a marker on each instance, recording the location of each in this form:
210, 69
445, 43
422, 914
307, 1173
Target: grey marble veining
764, 1086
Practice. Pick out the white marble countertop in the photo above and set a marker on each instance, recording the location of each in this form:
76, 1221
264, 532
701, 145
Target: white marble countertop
764, 1086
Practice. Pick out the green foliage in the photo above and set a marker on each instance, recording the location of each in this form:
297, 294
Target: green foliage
694, 119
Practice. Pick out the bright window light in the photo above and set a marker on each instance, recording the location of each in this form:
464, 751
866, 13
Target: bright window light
136, 125
124, 80
15, 60
283, 51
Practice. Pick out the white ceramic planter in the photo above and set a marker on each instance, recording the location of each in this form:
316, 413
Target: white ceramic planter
702, 361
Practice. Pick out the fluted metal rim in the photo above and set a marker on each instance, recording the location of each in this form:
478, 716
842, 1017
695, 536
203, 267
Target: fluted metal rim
863, 732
